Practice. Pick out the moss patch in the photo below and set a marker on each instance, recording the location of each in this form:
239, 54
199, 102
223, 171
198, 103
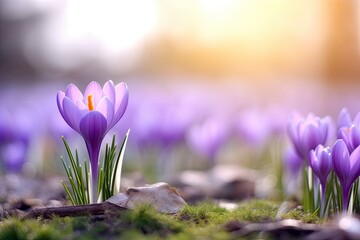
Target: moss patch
304, 217
202, 221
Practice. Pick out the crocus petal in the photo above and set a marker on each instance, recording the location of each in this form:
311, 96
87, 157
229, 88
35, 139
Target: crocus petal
325, 164
72, 114
73, 93
82, 108
106, 108
341, 160
344, 119
293, 131
310, 138
354, 137
293, 161
356, 121
320, 162
93, 128
324, 129
109, 91
121, 92
313, 160
59, 99
121, 102
344, 133
95, 90
354, 166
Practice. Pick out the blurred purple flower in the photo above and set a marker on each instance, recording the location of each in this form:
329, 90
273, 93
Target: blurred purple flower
173, 123
306, 134
254, 127
344, 119
346, 167
15, 135
14, 155
207, 138
93, 115
292, 162
351, 136
349, 130
292, 168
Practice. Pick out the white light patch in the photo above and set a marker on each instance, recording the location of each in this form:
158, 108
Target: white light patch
115, 25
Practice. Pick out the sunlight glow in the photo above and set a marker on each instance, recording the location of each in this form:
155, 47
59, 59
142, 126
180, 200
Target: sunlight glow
116, 25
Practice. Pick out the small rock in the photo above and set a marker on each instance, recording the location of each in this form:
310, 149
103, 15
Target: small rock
228, 182
27, 203
54, 203
161, 196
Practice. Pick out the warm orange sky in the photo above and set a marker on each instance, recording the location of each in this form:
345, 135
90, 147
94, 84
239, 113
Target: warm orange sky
229, 37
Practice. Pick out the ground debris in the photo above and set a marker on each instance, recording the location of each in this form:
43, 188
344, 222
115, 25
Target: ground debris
344, 227
74, 211
283, 229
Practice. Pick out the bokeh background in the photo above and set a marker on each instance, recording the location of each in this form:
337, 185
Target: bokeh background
210, 82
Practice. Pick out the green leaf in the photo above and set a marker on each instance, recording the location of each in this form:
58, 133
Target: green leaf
79, 194
116, 177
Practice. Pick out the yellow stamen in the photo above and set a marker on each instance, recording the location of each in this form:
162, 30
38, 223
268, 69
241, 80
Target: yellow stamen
90, 103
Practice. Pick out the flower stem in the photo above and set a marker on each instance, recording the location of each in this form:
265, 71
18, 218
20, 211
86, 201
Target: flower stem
322, 206
345, 199
94, 150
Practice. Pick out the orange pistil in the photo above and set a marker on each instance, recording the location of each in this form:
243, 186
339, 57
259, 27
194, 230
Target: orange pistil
90, 103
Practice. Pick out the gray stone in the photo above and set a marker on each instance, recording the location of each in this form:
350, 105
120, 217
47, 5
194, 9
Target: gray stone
161, 196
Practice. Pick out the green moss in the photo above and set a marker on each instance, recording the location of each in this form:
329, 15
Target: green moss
203, 213
249, 211
255, 211
12, 229
202, 221
304, 217
29, 229
148, 221
200, 233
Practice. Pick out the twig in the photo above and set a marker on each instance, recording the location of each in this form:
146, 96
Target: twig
74, 211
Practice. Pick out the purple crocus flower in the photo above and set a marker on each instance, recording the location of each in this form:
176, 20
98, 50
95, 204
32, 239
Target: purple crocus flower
306, 134
321, 164
351, 136
93, 114
346, 167
349, 130
344, 120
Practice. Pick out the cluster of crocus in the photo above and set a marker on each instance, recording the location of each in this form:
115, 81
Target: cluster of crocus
92, 115
332, 167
